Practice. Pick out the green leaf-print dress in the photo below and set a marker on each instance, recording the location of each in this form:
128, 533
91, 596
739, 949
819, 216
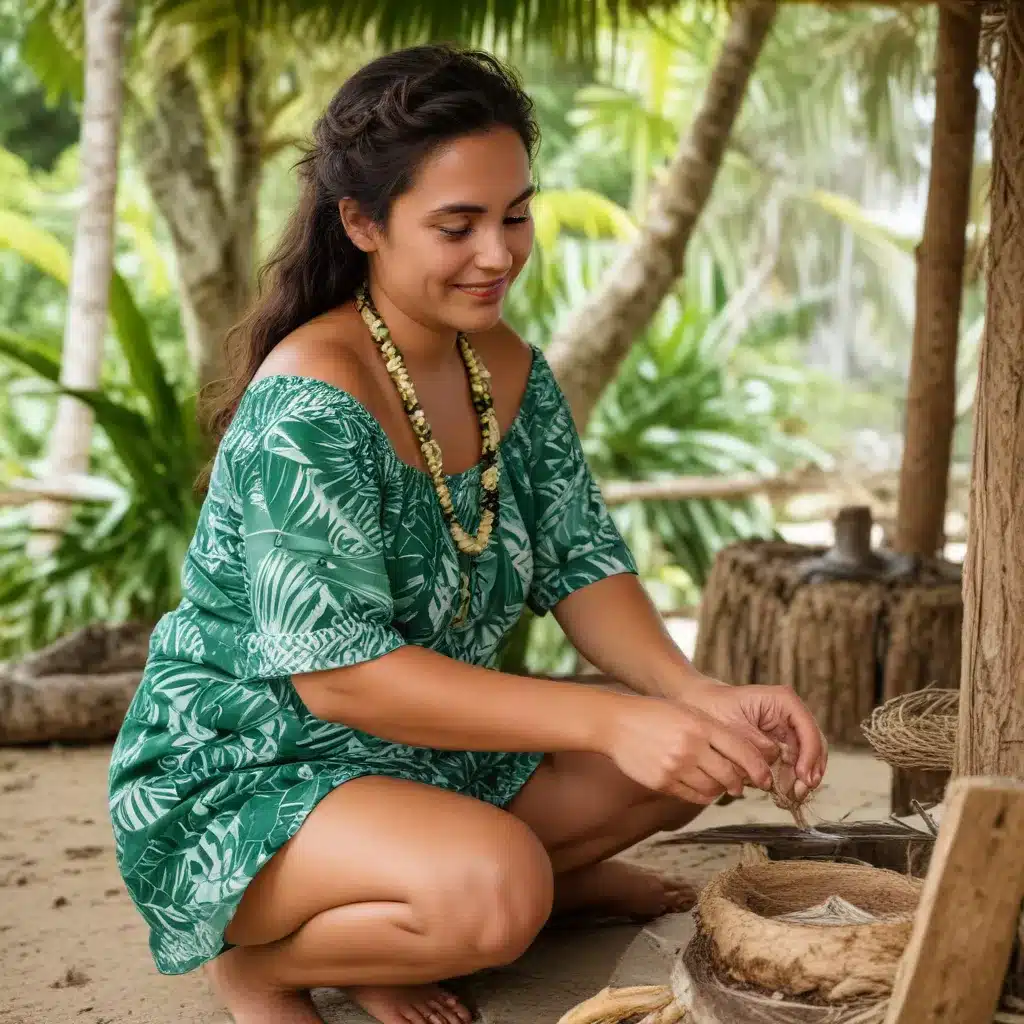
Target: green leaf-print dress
317, 548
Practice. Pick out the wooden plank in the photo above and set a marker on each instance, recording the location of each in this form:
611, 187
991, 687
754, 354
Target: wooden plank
955, 963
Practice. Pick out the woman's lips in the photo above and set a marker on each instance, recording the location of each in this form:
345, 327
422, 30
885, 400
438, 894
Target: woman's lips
488, 291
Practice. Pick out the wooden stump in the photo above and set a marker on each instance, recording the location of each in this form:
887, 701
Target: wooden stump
844, 646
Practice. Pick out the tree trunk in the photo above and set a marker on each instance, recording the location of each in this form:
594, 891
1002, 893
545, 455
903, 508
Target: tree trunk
92, 259
991, 732
931, 398
77, 689
587, 353
931, 393
212, 225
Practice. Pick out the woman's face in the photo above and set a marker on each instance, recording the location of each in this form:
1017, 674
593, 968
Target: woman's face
459, 236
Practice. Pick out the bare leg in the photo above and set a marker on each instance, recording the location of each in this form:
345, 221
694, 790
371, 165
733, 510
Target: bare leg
388, 884
584, 811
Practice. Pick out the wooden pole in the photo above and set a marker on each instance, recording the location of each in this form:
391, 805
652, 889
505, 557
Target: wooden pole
931, 393
991, 728
931, 396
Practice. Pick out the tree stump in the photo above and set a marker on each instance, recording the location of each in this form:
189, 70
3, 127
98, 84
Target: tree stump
772, 614
76, 690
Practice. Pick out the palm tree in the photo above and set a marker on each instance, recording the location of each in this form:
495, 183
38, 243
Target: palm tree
215, 87
93, 255
586, 354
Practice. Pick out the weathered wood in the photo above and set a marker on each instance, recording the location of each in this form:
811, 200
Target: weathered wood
955, 964
64, 709
991, 734
76, 690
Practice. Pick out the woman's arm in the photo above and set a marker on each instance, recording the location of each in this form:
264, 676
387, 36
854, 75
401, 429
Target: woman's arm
418, 697
421, 698
616, 627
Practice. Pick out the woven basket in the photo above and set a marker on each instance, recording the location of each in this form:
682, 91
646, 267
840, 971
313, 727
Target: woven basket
740, 913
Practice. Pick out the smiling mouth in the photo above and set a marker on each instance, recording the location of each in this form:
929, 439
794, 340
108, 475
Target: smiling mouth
484, 289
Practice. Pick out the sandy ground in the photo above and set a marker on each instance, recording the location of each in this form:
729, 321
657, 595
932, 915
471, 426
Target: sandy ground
73, 949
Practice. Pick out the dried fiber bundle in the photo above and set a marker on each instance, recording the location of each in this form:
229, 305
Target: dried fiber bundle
916, 730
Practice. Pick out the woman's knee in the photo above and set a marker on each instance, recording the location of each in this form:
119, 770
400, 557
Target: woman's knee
487, 905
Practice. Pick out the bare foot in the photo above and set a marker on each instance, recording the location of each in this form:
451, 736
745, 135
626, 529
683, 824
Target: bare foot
248, 1002
410, 1004
617, 888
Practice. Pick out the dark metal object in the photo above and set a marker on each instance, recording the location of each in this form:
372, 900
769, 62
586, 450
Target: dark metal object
852, 558
889, 844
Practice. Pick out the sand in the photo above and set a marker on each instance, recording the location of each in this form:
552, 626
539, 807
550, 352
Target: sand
73, 948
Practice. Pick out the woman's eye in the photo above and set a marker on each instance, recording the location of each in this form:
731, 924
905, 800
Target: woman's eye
455, 233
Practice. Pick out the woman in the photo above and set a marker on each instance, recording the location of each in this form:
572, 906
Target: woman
322, 781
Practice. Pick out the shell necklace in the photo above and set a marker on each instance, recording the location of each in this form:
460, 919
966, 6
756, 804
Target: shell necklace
490, 433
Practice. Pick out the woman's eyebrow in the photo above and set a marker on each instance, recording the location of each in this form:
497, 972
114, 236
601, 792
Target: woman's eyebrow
476, 208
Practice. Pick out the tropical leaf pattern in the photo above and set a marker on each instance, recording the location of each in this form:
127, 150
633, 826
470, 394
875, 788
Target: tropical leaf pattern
318, 548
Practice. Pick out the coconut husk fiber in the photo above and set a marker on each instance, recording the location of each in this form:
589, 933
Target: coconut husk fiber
832, 932
916, 730
796, 942
845, 646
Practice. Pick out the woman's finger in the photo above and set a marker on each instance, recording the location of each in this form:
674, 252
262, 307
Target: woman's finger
722, 770
687, 795
701, 782
810, 742
742, 753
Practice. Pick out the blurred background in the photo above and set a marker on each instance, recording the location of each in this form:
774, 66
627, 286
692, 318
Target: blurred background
781, 352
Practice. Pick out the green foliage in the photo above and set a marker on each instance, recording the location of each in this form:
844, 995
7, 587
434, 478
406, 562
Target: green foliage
121, 556
31, 124
702, 393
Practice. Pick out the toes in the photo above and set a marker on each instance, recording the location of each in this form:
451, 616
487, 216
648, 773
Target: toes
449, 1009
413, 1015
461, 1014
440, 1014
436, 1013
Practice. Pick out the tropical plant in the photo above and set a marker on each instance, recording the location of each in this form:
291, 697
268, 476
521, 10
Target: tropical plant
819, 146
217, 88
587, 352
694, 397
121, 555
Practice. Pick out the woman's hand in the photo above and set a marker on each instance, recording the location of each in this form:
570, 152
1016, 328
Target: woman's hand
772, 718
682, 751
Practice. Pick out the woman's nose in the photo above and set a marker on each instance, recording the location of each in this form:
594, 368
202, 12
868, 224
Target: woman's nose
494, 254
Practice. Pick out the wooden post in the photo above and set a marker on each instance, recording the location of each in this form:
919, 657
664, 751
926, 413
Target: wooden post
955, 963
931, 393
991, 730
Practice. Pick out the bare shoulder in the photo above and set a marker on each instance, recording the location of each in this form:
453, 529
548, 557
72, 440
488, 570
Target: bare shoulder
505, 355
331, 348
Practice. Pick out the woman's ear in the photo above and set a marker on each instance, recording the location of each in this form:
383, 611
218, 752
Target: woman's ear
358, 226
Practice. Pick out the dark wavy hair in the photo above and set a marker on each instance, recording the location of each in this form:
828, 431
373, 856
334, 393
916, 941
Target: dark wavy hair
368, 144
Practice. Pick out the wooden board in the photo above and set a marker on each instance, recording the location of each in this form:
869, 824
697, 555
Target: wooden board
955, 964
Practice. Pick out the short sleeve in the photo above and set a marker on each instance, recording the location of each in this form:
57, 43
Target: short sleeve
311, 512
576, 542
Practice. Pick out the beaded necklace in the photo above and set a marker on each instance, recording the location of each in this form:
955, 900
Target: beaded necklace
490, 433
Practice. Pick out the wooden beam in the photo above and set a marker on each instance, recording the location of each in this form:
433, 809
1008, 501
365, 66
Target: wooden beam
955, 963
